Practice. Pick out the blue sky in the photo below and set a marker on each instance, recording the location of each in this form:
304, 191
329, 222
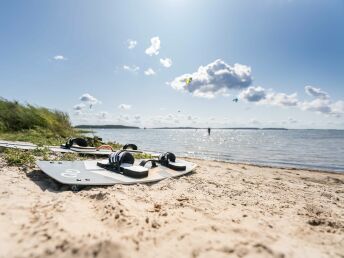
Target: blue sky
283, 60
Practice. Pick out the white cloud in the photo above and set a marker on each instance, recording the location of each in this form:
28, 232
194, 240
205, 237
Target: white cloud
154, 47
316, 92
124, 106
132, 68
317, 105
253, 94
260, 95
338, 107
281, 99
79, 106
59, 58
89, 99
214, 79
149, 71
131, 43
322, 103
167, 62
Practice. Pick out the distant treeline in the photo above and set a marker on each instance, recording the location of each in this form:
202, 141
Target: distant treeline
105, 127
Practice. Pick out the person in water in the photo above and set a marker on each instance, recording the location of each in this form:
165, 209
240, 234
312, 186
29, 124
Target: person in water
209, 130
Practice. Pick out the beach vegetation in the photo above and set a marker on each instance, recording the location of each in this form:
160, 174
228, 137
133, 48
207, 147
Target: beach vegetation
39, 125
16, 157
69, 156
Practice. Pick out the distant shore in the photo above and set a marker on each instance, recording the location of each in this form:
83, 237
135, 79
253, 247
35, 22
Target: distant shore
182, 127
105, 127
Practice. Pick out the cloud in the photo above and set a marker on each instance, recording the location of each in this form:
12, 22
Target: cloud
316, 92
317, 105
253, 94
131, 43
132, 68
167, 62
89, 99
124, 106
214, 79
149, 71
322, 103
59, 58
79, 106
281, 99
338, 107
260, 95
154, 47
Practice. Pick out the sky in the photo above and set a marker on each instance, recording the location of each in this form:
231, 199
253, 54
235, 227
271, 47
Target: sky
152, 63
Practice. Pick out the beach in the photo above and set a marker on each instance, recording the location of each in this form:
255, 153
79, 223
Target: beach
219, 210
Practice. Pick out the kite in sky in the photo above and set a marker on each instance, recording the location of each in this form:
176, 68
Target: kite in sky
188, 80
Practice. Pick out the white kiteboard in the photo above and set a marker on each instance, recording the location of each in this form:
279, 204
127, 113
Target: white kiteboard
87, 172
88, 150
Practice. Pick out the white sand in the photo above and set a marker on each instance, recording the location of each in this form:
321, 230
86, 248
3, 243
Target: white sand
221, 210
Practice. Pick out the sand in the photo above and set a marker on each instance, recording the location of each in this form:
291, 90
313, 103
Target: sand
220, 210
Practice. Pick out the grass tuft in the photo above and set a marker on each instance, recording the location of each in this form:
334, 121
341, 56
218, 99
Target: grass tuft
15, 157
69, 156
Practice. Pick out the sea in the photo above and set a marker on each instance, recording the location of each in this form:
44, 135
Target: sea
310, 149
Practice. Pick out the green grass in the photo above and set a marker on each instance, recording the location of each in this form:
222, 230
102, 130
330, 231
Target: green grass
15, 157
39, 136
38, 125
42, 152
69, 157
16, 117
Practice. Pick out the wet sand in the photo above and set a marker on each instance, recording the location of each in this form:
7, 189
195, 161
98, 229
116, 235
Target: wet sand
220, 210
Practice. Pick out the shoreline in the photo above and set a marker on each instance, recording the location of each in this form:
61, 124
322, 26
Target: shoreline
221, 209
340, 172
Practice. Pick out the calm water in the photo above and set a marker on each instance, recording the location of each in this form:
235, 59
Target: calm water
317, 149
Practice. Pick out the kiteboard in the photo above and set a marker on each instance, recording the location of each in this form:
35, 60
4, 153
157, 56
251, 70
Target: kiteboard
88, 173
89, 150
